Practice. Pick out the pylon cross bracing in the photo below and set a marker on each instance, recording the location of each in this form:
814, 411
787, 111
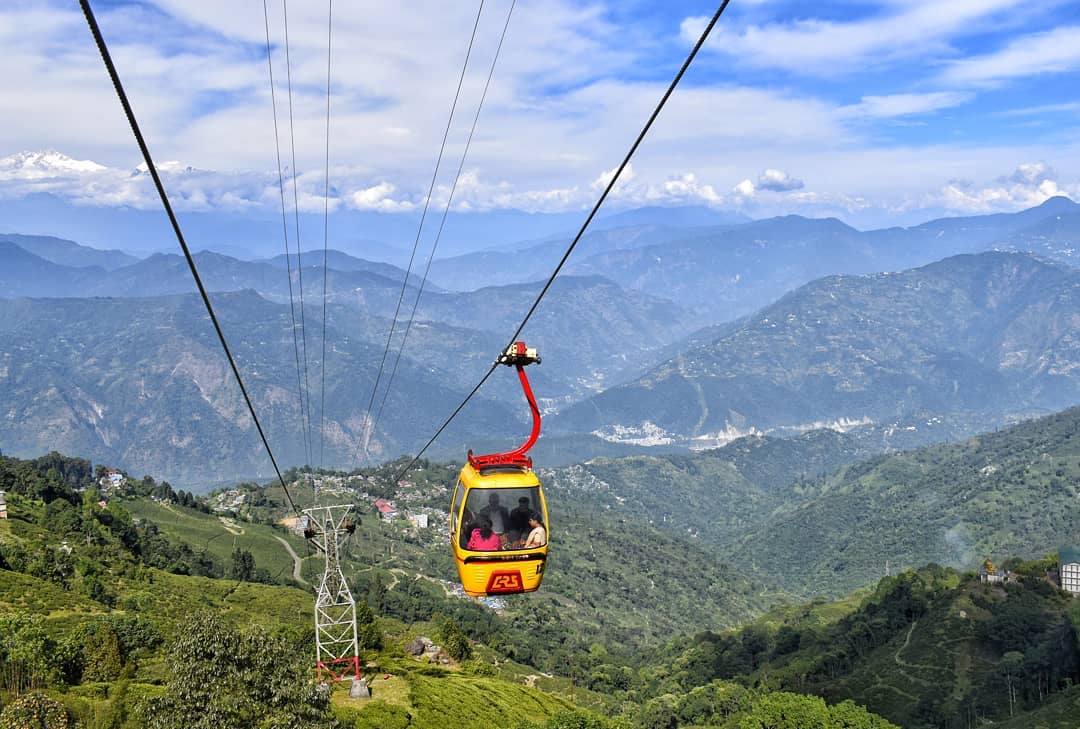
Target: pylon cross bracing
336, 647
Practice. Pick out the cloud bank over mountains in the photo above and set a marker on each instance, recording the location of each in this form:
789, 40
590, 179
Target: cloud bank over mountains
878, 113
85, 182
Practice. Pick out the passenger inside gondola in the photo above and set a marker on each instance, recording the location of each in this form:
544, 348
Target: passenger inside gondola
519, 522
538, 535
497, 515
510, 527
484, 538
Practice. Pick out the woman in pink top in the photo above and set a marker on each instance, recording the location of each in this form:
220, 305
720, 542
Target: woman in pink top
483, 539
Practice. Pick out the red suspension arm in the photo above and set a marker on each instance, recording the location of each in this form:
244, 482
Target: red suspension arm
518, 355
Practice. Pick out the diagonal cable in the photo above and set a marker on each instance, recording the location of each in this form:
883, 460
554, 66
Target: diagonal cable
284, 219
423, 215
607, 190
326, 240
446, 211
306, 412
130, 114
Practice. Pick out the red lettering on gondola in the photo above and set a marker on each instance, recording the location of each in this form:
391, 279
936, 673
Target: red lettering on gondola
505, 581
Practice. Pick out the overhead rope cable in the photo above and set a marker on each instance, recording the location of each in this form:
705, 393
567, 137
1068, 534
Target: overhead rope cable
284, 218
423, 215
129, 112
446, 211
603, 196
305, 412
326, 242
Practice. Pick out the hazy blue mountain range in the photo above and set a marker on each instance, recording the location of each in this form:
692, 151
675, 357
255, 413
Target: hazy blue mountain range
898, 359
112, 376
994, 335
726, 271
341, 261
535, 260
143, 383
168, 273
24, 274
716, 265
370, 235
69, 253
1056, 238
987, 229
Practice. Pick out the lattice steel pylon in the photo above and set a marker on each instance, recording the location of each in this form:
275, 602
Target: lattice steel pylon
337, 650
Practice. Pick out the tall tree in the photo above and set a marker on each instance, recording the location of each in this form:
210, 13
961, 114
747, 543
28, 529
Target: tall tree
224, 678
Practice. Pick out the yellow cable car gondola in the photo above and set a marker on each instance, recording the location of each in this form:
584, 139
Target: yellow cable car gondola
498, 515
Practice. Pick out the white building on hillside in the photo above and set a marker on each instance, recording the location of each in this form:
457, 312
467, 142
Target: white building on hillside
1069, 569
3, 505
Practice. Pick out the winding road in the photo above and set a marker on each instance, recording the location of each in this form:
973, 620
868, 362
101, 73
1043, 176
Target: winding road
295, 559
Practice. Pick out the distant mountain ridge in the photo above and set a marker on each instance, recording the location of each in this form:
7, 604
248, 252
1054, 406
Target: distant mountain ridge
142, 383
722, 272
896, 359
112, 377
69, 253
993, 333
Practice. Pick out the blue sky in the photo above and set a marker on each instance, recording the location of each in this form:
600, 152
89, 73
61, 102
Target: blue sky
876, 112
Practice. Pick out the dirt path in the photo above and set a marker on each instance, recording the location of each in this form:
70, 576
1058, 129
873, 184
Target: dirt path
295, 560
915, 666
231, 527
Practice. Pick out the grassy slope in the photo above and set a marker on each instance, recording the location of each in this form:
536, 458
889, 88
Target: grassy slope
417, 695
423, 695
210, 533
622, 580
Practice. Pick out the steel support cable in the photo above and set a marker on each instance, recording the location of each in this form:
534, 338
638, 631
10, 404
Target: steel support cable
299, 252
284, 218
446, 211
103, 49
607, 190
326, 242
423, 215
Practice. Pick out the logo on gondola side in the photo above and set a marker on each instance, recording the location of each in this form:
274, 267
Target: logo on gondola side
505, 581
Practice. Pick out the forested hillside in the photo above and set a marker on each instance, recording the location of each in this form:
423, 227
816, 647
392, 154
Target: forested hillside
117, 622
927, 648
817, 515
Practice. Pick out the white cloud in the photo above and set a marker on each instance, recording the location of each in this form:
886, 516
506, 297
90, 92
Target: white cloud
770, 180
1071, 107
812, 46
601, 182
573, 86
1031, 173
1028, 185
1055, 51
744, 188
897, 105
687, 188
380, 197
778, 181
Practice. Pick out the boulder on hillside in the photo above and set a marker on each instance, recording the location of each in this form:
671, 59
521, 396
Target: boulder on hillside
418, 646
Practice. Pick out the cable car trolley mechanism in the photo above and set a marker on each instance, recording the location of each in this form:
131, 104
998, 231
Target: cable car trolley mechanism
498, 515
